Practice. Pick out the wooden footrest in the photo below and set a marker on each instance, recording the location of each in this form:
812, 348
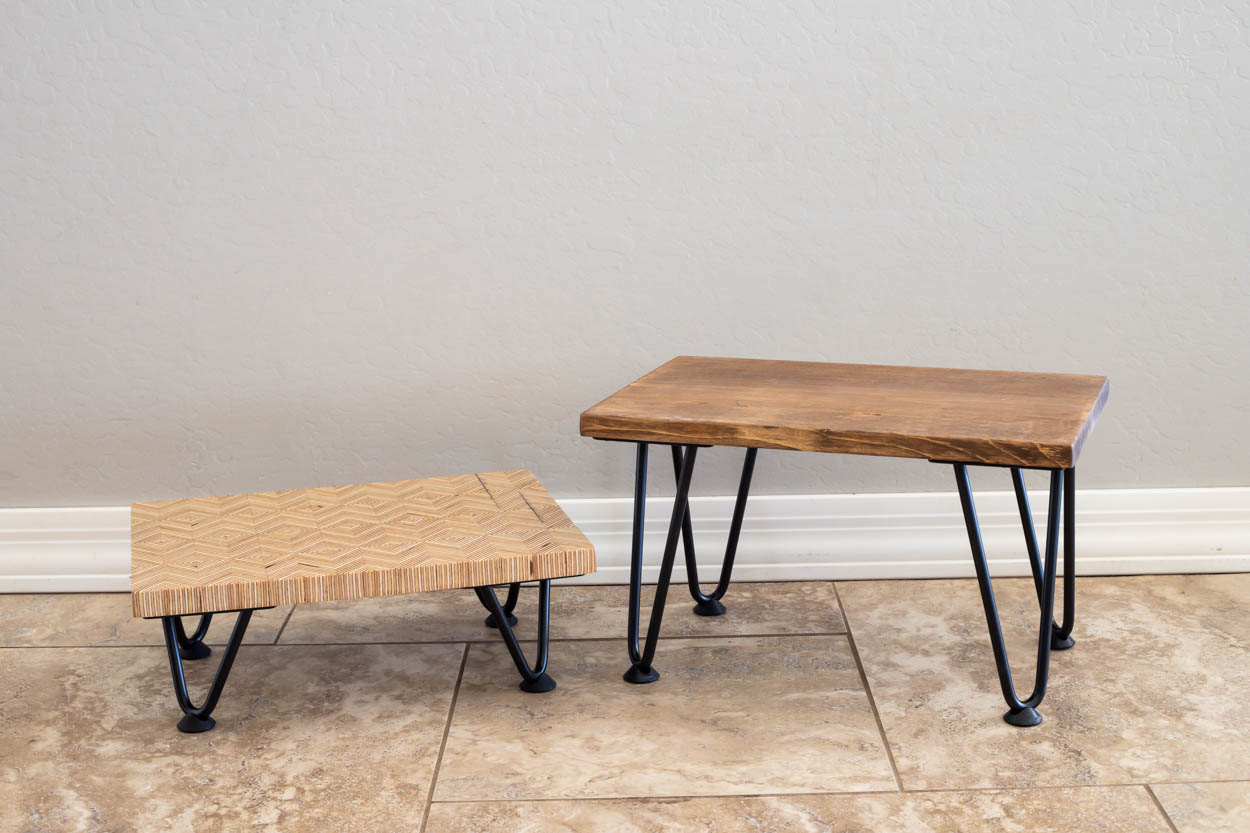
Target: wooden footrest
245, 552
203, 555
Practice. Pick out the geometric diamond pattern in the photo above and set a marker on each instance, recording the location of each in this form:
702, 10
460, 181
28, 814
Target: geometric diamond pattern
201, 555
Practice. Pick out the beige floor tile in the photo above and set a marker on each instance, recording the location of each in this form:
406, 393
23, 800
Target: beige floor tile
577, 612
439, 616
751, 609
307, 739
1077, 810
1153, 690
743, 715
1207, 808
49, 620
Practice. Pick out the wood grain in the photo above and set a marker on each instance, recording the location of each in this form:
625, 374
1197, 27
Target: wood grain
971, 416
200, 555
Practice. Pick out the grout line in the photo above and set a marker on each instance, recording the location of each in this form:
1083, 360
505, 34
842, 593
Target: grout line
1109, 785
845, 793
863, 678
1162, 809
485, 640
848, 793
442, 746
1201, 781
665, 797
289, 614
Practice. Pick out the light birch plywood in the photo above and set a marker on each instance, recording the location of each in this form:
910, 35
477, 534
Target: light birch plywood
200, 555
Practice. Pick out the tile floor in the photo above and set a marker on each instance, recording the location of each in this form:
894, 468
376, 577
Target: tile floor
814, 706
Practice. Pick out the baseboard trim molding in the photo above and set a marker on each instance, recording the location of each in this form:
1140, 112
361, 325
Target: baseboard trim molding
65, 550
784, 537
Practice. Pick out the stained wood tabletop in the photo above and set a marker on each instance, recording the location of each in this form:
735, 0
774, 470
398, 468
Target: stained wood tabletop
200, 555
970, 416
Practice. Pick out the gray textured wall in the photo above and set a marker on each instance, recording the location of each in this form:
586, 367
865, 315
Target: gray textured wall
246, 248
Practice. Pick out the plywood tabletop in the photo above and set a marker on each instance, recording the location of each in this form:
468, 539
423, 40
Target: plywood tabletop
201, 555
972, 416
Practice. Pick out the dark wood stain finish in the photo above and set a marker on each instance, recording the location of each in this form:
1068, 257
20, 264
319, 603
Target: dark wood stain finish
969, 416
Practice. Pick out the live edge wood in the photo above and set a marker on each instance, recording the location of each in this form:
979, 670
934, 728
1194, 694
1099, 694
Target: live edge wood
201, 555
969, 416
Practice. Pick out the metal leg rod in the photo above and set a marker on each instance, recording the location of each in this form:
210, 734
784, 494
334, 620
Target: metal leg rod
1020, 712
197, 718
635, 556
534, 679
1030, 535
709, 604
641, 670
1061, 638
193, 646
514, 592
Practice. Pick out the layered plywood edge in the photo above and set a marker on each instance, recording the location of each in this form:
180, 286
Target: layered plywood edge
201, 555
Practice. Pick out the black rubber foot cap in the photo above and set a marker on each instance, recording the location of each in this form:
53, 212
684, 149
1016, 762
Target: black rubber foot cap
1024, 717
539, 684
639, 677
1057, 644
193, 725
491, 623
196, 650
712, 607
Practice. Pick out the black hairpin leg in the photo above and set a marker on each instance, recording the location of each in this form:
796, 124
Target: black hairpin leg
514, 590
1021, 712
709, 604
1060, 636
196, 718
193, 647
535, 679
1062, 639
641, 671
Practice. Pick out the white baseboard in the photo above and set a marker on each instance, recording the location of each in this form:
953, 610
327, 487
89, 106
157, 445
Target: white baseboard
65, 550
785, 537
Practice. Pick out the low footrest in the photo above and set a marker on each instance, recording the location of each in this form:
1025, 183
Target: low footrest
204, 556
